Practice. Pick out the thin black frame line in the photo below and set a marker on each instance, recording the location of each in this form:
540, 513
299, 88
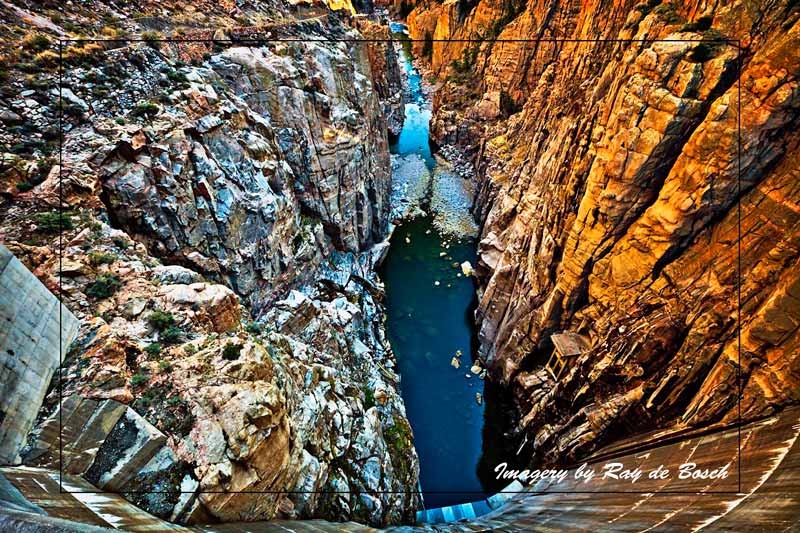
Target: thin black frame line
486, 494
739, 385
734, 42
60, 258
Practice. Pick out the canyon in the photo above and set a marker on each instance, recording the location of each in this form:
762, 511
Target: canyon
636, 170
237, 206
221, 213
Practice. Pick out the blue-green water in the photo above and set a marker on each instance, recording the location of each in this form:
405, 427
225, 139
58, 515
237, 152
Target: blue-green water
427, 325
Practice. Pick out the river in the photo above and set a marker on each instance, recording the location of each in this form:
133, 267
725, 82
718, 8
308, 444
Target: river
430, 305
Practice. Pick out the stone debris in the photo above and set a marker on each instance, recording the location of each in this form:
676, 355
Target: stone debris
478, 398
410, 183
455, 363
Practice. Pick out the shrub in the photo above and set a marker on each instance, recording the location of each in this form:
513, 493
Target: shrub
46, 59
70, 109
253, 327
101, 258
104, 286
138, 380
82, 54
24, 186
152, 39
468, 57
668, 13
148, 109
171, 335
231, 351
164, 366
53, 222
701, 24
36, 42
120, 243
161, 320
153, 349
190, 349
369, 398
178, 77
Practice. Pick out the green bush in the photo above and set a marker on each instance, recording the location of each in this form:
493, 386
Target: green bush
152, 349
101, 258
139, 379
178, 77
104, 286
171, 335
164, 366
148, 109
369, 398
24, 186
37, 42
53, 222
120, 243
231, 351
152, 39
161, 320
253, 327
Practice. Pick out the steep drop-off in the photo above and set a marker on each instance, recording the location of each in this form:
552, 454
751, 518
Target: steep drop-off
637, 166
223, 207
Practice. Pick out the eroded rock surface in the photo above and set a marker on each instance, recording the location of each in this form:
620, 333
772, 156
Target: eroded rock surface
223, 209
616, 202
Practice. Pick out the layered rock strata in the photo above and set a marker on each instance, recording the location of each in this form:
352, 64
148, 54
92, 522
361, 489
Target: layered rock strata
636, 166
213, 225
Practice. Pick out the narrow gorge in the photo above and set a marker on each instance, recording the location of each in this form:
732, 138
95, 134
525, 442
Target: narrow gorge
336, 266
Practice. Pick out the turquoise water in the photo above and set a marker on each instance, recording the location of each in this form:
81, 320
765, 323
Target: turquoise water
427, 325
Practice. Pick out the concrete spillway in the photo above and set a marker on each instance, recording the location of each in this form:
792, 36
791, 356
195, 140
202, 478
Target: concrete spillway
766, 497
34, 330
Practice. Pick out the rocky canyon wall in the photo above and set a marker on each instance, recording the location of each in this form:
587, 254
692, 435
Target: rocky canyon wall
213, 219
637, 165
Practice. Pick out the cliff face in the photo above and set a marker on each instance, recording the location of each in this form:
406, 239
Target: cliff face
223, 210
642, 193
385, 73
264, 159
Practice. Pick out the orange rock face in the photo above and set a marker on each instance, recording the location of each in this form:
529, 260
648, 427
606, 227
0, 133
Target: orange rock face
637, 187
